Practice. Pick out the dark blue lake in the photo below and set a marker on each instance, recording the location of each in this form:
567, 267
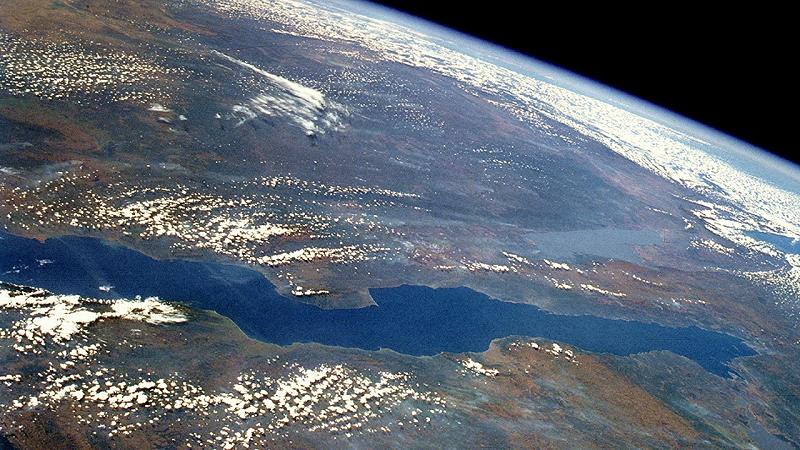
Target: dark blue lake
782, 243
414, 320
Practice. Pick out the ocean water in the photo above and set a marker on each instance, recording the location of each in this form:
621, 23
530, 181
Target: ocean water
415, 320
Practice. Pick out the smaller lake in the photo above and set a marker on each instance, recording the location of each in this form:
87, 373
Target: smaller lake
611, 243
415, 320
781, 242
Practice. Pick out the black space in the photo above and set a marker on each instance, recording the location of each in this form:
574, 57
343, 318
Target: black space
731, 69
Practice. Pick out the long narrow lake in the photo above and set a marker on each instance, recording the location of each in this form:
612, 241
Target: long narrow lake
415, 320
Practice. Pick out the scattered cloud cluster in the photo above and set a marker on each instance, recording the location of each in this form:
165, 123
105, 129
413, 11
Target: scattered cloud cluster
478, 368
57, 319
710, 244
82, 72
248, 410
597, 290
245, 221
554, 349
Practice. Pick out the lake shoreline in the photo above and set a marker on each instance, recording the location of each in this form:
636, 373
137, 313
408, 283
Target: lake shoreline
408, 319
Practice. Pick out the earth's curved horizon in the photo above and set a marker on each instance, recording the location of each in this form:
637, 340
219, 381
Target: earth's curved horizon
336, 178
